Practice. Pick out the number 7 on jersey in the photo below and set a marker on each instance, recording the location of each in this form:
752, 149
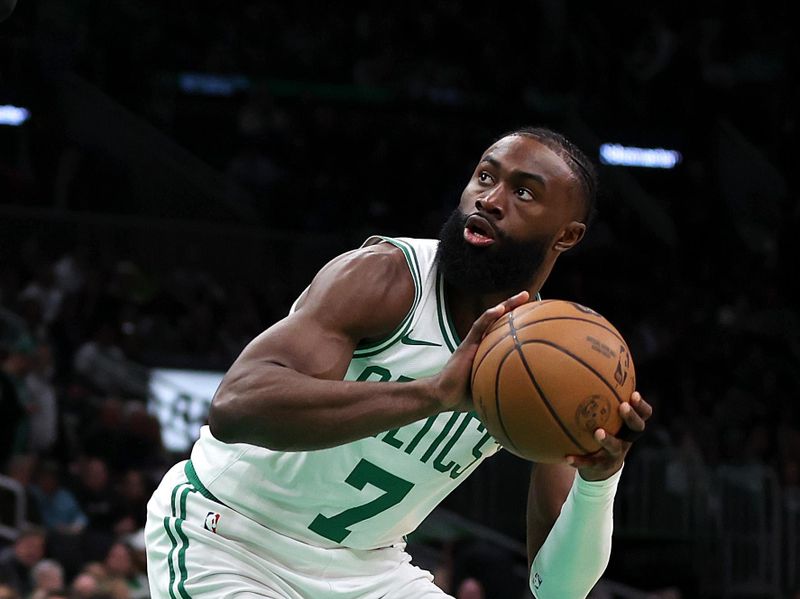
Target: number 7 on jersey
395, 489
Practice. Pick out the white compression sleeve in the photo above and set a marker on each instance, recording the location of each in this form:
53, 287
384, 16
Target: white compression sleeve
576, 552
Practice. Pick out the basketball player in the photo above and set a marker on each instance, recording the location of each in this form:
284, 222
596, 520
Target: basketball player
340, 428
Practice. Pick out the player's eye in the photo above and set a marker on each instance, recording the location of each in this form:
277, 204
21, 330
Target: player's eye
485, 177
525, 194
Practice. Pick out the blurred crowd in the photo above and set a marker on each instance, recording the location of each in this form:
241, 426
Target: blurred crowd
368, 120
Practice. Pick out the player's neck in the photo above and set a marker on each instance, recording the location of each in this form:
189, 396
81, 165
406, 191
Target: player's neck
465, 307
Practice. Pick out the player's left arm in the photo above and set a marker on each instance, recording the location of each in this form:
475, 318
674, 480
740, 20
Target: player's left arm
570, 517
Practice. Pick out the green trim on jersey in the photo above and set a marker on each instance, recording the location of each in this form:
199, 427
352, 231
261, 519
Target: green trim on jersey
194, 480
365, 351
446, 324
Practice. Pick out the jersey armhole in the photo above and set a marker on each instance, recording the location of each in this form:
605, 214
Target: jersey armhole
364, 350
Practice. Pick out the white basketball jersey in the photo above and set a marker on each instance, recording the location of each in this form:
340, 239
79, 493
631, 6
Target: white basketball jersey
368, 493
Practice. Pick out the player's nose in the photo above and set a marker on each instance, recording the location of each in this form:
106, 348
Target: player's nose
491, 202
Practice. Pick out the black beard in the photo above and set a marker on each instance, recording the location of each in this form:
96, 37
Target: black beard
506, 265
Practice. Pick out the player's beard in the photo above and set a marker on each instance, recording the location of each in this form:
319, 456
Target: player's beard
506, 265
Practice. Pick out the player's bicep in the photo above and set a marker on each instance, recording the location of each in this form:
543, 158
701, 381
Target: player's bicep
361, 295
301, 343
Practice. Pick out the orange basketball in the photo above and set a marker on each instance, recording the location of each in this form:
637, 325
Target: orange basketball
547, 375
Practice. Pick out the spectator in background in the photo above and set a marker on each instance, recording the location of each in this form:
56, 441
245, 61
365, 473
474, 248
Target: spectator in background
7, 592
43, 406
13, 413
85, 586
103, 431
69, 271
21, 468
143, 435
122, 563
44, 291
48, 576
470, 589
123, 433
58, 507
94, 494
102, 364
16, 364
17, 561
132, 496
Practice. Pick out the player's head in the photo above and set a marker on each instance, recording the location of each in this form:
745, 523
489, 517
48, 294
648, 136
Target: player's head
529, 199
583, 171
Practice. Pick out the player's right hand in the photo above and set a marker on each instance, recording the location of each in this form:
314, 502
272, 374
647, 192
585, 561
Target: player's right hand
451, 385
609, 458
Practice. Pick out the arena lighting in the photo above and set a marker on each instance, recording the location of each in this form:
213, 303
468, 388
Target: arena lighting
13, 115
207, 84
619, 155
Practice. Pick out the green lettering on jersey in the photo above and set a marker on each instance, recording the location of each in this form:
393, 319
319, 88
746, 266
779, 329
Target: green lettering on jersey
383, 374
445, 431
476, 453
395, 489
418, 437
390, 438
438, 462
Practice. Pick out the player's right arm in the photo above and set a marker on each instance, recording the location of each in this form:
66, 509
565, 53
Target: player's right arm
570, 517
285, 391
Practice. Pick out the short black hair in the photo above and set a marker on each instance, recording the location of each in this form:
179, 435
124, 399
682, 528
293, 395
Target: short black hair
576, 160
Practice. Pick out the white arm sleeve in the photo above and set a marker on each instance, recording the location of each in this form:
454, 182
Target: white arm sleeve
576, 552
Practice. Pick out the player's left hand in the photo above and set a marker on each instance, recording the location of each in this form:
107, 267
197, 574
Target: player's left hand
608, 460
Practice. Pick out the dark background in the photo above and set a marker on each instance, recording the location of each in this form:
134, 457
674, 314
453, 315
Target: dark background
195, 210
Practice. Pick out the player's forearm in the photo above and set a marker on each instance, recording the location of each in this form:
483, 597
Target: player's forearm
279, 408
577, 549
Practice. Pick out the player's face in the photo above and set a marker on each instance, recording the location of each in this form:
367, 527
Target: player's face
522, 189
519, 208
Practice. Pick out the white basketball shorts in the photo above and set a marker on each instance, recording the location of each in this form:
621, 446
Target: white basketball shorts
201, 549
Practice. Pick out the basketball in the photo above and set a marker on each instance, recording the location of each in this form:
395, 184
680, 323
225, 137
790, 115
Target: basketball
547, 375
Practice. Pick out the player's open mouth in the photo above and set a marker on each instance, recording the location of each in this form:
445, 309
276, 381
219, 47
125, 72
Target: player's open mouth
478, 231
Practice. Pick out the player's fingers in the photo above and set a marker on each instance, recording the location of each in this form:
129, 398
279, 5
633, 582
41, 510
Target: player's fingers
480, 326
608, 442
644, 409
631, 418
492, 314
611, 448
515, 301
592, 460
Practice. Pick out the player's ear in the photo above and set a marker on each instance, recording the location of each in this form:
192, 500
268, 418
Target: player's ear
570, 236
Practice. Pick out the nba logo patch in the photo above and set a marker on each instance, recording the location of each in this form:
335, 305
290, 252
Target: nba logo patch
212, 518
537, 581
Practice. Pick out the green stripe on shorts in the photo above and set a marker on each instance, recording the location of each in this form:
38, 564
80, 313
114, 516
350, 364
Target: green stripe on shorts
178, 507
169, 557
182, 558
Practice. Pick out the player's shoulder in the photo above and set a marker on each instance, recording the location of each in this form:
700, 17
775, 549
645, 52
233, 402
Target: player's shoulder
372, 286
378, 262
400, 263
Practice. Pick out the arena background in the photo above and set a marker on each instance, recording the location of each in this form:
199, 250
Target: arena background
172, 174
